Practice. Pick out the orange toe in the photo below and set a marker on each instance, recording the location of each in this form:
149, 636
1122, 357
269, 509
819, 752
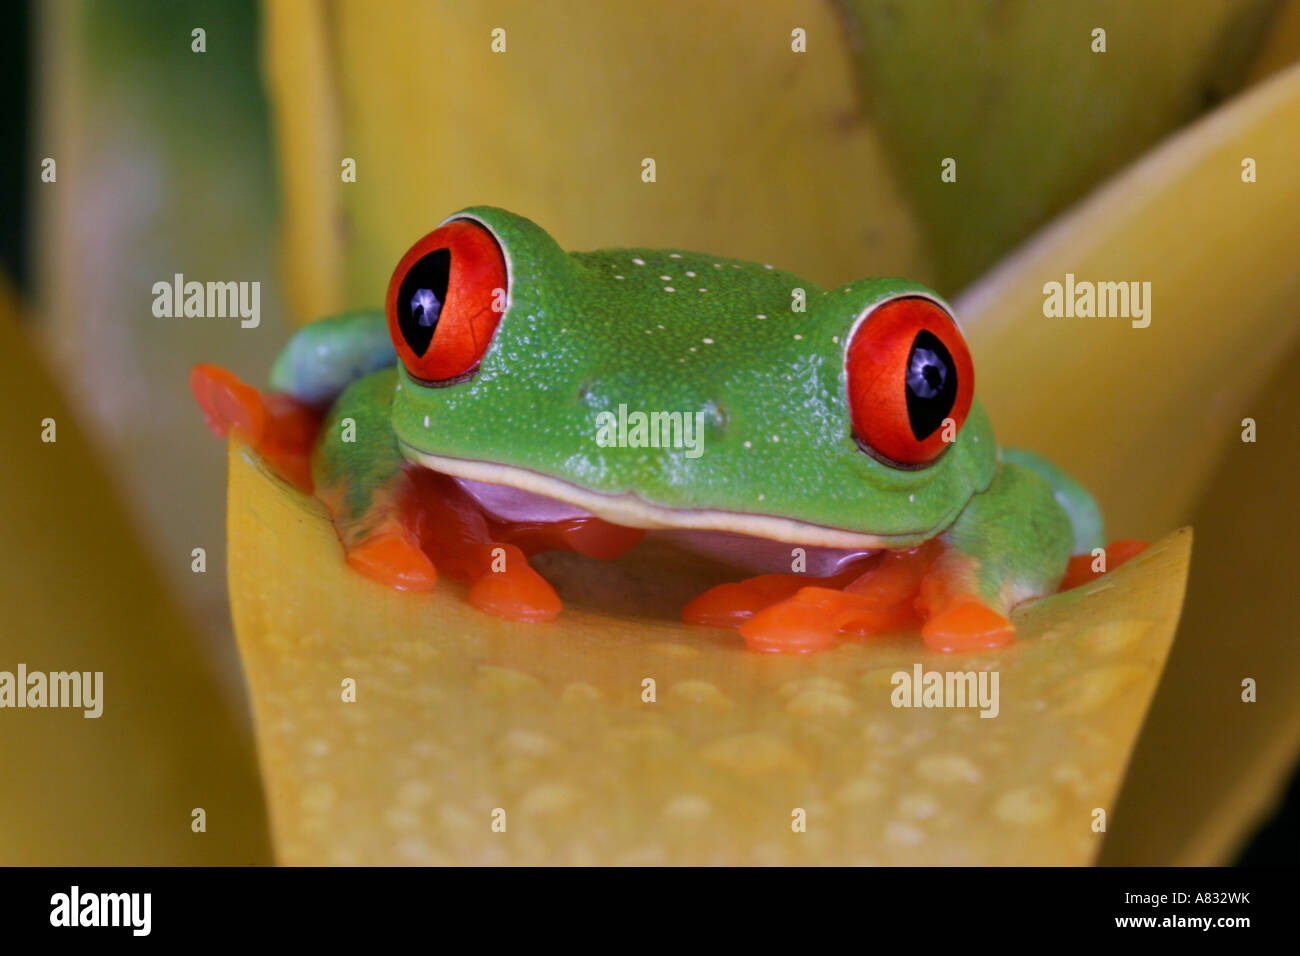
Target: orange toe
281, 429
394, 558
726, 605
227, 402
1079, 571
807, 622
518, 594
1117, 552
967, 626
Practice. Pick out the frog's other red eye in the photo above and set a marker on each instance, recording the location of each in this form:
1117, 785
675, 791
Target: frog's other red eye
443, 301
909, 370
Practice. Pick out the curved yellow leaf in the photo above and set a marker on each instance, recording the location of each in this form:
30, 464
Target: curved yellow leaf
1015, 94
1141, 415
1152, 420
80, 594
460, 720
1209, 765
301, 78
758, 151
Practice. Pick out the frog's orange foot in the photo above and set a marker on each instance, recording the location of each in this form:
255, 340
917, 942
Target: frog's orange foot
509, 587
814, 617
967, 625
734, 603
1080, 569
393, 557
790, 613
808, 621
458, 536
279, 428
893, 591
419, 523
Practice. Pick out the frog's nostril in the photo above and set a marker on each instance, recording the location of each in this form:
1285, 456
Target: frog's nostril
716, 416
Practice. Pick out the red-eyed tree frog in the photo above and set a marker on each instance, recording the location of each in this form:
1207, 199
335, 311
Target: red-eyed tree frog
513, 398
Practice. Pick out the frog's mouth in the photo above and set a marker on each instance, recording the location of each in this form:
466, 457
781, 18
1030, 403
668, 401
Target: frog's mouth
746, 539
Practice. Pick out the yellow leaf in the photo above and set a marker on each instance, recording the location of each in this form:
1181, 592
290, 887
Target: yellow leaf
80, 594
460, 720
759, 152
1019, 96
1152, 420
1209, 765
299, 58
1142, 415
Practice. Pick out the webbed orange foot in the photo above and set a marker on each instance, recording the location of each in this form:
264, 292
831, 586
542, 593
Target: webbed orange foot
393, 557
278, 427
507, 586
734, 603
1080, 569
790, 613
968, 624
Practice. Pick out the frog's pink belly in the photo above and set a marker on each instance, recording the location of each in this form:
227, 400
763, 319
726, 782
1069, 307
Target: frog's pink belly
746, 553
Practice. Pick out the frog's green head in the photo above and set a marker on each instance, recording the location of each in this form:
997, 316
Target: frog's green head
661, 388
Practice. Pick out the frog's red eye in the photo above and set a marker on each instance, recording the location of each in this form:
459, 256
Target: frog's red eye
445, 300
909, 371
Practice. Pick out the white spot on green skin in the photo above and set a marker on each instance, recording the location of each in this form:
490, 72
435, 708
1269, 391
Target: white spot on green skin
618, 277
911, 497
426, 421
666, 278
669, 288
749, 444
674, 255
761, 315
639, 261
798, 338
689, 274
708, 341
766, 266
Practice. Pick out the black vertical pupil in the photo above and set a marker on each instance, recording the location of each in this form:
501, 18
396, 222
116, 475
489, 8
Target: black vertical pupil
931, 381
421, 297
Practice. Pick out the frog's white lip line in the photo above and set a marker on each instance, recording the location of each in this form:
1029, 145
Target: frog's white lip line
635, 512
